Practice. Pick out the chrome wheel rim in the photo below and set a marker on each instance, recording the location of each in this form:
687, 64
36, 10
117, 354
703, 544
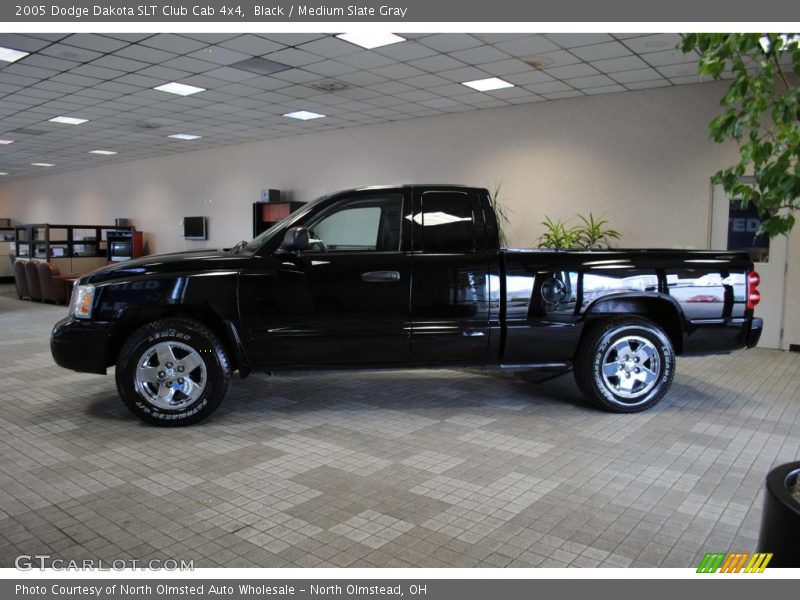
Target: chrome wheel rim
631, 368
170, 375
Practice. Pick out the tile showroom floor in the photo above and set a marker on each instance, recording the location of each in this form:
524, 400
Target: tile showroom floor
388, 469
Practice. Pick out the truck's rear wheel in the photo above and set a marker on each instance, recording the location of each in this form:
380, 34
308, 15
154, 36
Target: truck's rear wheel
173, 372
625, 364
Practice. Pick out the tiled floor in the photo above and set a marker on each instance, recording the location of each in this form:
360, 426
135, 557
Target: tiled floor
414, 468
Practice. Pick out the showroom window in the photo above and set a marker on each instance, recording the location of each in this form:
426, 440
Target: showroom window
362, 225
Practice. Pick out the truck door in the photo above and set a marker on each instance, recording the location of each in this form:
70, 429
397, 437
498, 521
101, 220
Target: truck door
344, 301
450, 303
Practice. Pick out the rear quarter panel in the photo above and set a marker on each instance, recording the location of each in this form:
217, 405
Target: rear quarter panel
551, 295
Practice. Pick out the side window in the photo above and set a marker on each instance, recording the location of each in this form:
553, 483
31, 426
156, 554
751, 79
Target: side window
447, 222
363, 225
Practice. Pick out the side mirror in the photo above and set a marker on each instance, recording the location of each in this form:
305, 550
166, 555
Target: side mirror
296, 240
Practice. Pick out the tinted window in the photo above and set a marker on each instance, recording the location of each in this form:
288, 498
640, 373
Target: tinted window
369, 224
447, 222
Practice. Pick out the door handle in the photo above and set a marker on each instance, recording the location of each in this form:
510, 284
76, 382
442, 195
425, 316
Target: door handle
379, 276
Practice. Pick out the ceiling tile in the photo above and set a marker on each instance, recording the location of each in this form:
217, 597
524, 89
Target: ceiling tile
177, 44
600, 51
190, 65
95, 42
210, 38
252, 44
72, 53
219, 55
624, 63
437, 63
291, 39
654, 43
641, 85
583, 83
576, 40
144, 54
119, 63
450, 42
294, 57
479, 55
406, 51
579, 70
669, 57
647, 74
528, 45
365, 60
330, 47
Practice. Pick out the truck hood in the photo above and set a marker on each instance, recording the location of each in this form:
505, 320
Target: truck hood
189, 262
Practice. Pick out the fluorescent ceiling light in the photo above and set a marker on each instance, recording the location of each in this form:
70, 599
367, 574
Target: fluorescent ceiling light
1, 174
103, 152
6, 142
185, 136
179, 88
68, 120
303, 115
10, 55
370, 40
486, 85
42, 165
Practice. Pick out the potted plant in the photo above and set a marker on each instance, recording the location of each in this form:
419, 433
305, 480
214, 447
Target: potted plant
780, 520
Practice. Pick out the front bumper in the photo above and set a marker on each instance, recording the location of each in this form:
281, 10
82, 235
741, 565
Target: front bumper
81, 345
754, 333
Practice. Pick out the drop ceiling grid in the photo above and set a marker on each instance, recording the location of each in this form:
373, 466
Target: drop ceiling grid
108, 79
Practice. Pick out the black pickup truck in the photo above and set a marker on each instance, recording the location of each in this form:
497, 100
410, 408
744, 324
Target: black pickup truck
402, 276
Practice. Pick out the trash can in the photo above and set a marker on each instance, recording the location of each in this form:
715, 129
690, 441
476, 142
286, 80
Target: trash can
780, 521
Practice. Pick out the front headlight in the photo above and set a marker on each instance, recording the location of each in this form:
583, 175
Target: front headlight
80, 305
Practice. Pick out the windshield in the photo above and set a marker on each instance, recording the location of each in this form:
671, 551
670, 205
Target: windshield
267, 235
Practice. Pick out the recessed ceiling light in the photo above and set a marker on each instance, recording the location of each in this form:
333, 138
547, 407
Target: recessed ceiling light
6, 142
185, 136
1, 173
179, 88
486, 85
103, 152
11, 55
370, 40
68, 120
303, 115
42, 165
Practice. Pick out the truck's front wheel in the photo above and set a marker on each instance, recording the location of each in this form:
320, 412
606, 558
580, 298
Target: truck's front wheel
173, 372
625, 365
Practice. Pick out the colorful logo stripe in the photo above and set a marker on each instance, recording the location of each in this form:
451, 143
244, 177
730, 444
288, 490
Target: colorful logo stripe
734, 562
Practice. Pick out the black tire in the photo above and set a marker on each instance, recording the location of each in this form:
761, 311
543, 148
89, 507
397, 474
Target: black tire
635, 353
206, 383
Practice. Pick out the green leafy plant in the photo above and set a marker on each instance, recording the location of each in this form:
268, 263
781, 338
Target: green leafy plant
761, 115
557, 235
503, 214
591, 233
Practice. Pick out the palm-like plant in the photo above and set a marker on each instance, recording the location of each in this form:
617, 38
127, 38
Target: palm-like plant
592, 233
503, 214
557, 235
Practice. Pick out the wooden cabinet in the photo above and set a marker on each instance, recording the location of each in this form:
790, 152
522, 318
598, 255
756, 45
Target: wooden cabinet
266, 214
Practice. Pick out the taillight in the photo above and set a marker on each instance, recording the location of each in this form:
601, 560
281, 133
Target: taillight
753, 295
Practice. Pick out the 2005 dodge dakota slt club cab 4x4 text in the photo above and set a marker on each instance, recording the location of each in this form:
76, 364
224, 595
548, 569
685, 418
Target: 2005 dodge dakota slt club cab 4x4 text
402, 276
